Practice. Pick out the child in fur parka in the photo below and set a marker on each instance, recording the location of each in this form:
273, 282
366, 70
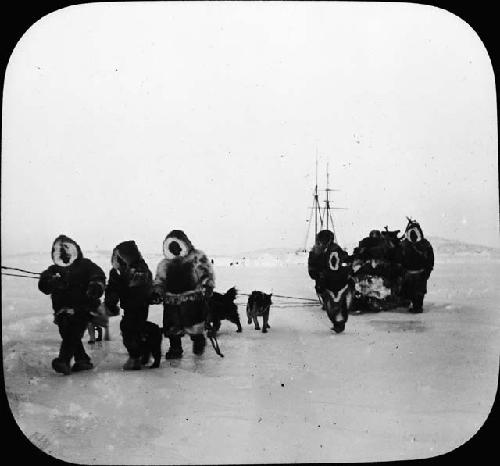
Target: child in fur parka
75, 285
184, 281
129, 283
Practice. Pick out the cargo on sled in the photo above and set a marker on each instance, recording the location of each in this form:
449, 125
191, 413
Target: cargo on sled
377, 272
374, 291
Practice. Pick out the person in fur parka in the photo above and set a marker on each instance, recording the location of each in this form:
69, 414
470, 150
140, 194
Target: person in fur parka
75, 285
418, 263
130, 284
184, 281
316, 262
327, 274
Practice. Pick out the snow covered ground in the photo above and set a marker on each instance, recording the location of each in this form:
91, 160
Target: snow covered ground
393, 386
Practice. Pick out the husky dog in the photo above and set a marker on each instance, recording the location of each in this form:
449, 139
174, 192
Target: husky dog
259, 304
150, 338
222, 306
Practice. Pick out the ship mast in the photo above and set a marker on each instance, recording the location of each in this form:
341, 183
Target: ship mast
315, 209
316, 205
327, 208
320, 213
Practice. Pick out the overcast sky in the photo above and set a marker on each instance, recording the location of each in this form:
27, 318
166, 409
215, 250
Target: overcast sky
124, 121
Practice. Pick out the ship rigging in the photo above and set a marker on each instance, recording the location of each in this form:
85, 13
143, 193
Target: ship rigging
323, 218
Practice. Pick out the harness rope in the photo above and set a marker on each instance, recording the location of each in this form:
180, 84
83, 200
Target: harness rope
288, 297
37, 274
20, 270
17, 275
213, 339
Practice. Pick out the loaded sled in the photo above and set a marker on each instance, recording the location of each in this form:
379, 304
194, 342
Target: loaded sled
377, 272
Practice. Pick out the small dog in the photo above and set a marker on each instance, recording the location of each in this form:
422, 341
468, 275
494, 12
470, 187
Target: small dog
98, 322
259, 304
150, 344
222, 307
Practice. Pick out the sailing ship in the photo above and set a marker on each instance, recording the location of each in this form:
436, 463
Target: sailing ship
322, 210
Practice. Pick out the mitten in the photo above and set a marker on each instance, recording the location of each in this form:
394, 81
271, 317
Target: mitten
56, 282
137, 277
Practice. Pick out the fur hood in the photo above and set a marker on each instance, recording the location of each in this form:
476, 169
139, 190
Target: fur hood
413, 232
323, 239
184, 268
125, 255
177, 245
65, 251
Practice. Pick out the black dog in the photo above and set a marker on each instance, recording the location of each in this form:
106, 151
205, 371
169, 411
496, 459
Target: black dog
259, 304
222, 307
150, 338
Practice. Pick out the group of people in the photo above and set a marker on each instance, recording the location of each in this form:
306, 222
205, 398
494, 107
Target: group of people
405, 263
183, 282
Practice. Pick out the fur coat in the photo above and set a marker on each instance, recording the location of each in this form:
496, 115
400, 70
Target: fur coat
130, 280
417, 252
72, 281
184, 268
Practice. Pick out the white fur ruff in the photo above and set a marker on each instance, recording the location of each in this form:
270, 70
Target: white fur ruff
114, 261
182, 244
70, 249
416, 231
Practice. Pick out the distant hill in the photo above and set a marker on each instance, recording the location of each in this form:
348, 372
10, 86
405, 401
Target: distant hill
272, 251
445, 246
442, 247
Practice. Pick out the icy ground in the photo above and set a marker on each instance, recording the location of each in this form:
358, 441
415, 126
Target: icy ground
393, 386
